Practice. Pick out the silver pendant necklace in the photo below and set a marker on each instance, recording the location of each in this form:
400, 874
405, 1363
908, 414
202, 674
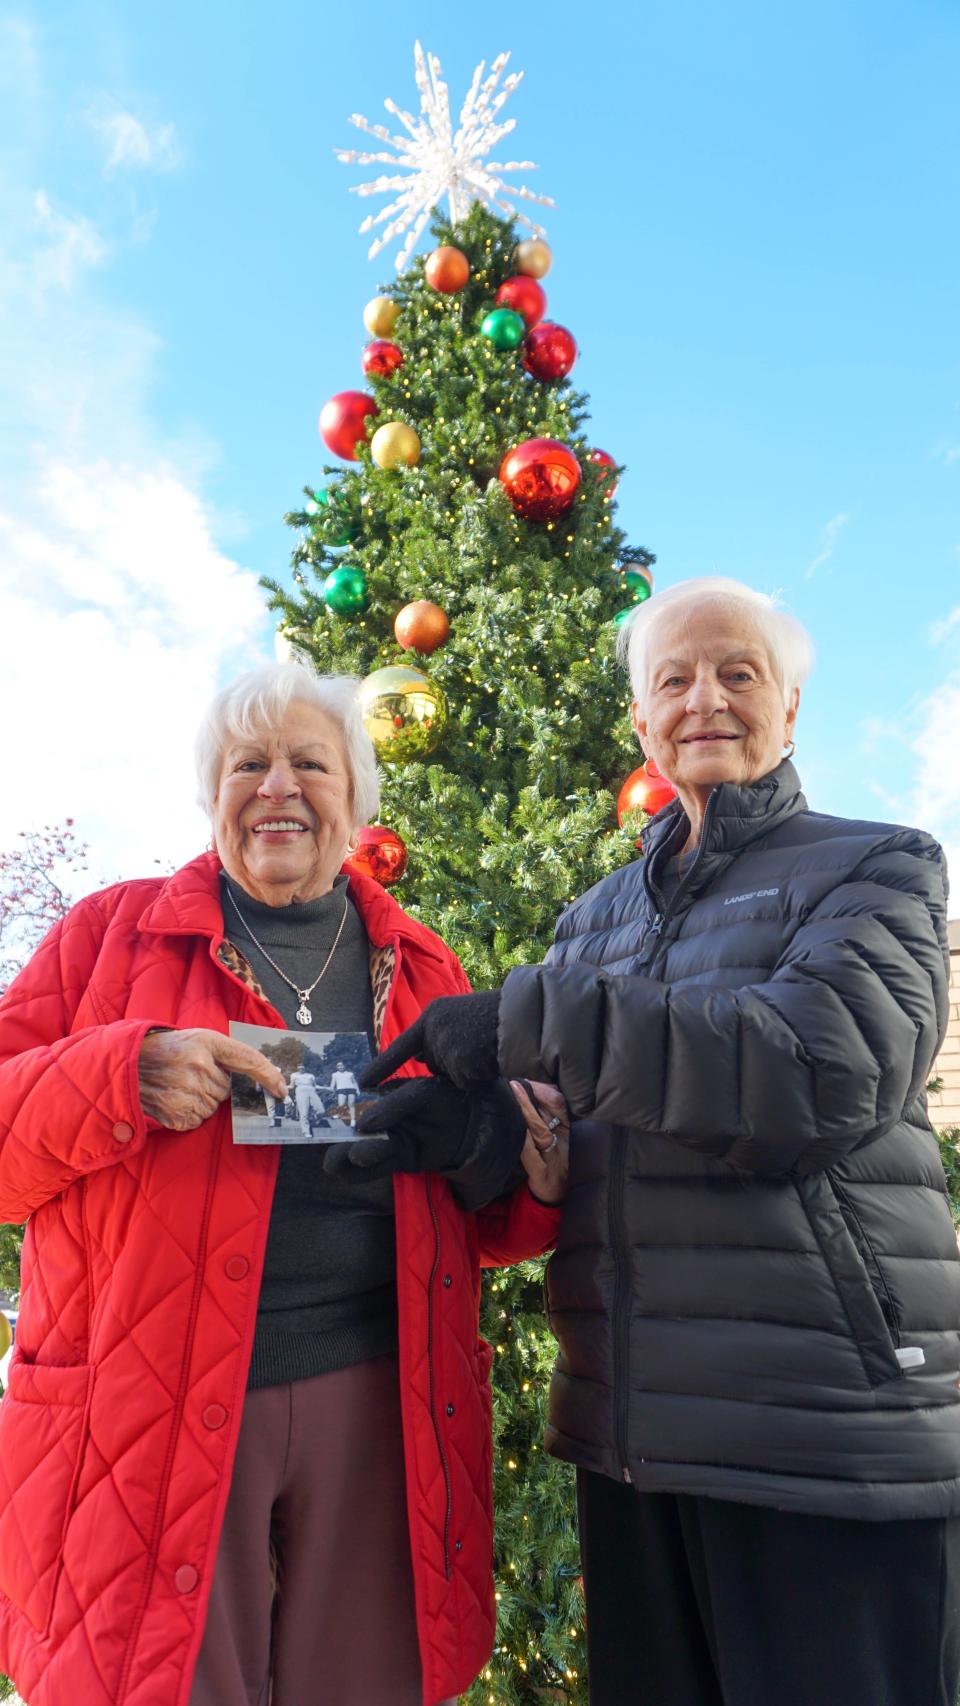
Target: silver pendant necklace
304, 1015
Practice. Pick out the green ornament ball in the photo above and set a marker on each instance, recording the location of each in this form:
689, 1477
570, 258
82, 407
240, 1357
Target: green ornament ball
624, 615
505, 329
638, 586
345, 591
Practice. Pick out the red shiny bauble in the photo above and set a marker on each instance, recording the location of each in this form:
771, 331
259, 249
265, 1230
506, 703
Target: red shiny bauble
343, 422
381, 358
549, 351
645, 790
421, 625
447, 269
540, 477
606, 471
525, 296
380, 854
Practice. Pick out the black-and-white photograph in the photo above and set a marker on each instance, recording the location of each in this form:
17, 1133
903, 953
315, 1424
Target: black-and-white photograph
324, 1099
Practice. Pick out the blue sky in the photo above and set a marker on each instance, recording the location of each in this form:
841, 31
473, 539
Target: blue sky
756, 245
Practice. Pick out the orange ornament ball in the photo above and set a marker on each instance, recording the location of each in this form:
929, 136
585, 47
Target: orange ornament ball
421, 626
380, 854
447, 269
645, 790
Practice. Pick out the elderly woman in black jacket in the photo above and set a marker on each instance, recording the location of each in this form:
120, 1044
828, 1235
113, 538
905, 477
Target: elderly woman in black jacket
756, 1288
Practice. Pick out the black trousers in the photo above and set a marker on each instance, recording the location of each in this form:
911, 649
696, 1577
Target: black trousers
699, 1602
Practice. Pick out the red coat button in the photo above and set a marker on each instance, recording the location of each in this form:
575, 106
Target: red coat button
122, 1131
237, 1268
214, 1416
186, 1578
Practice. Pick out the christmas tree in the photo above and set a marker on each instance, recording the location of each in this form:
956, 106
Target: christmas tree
466, 563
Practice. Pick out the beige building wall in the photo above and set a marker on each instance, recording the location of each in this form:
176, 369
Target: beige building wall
945, 1106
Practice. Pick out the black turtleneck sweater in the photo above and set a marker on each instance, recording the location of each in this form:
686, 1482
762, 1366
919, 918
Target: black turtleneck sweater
328, 1297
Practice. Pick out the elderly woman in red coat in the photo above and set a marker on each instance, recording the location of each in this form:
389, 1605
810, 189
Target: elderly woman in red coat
245, 1449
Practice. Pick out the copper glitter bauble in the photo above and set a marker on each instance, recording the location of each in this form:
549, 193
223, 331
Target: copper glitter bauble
421, 626
447, 269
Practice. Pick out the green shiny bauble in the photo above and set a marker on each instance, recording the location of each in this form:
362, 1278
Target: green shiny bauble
404, 713
345, 591
624, 615
638, 585
504, 328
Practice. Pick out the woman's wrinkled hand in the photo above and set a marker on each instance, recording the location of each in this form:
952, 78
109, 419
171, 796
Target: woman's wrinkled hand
185, 1075
546, 1150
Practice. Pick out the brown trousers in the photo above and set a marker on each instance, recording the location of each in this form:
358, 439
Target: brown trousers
312, 1599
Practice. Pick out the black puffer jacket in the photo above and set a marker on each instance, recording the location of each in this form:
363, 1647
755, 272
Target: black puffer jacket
756, 1288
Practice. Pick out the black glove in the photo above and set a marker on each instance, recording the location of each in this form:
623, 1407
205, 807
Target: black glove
456, 1037
473, 1138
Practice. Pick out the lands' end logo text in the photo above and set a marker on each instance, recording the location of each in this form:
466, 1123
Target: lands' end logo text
755, 894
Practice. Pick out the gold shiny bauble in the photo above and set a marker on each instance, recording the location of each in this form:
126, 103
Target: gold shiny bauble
533, 257
404, 713
393, 443
380, 316
421, 626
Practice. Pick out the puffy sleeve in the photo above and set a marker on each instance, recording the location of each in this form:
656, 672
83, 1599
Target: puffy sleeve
776, 1077
69, 1102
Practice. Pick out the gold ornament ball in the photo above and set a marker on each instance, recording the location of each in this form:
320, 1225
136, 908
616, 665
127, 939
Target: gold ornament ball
533, 257
380, 316
421, 626
404, 713
393, 443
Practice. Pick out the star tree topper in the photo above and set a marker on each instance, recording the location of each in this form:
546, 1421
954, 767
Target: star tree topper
439, 162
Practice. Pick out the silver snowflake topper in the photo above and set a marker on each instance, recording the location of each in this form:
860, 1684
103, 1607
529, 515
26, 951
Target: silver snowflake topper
440, 163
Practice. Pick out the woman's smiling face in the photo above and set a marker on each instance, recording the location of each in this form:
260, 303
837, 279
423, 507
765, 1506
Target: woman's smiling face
713, 710
283, 816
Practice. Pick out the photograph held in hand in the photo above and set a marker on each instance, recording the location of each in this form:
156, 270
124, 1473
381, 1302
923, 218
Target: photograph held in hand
320, 1070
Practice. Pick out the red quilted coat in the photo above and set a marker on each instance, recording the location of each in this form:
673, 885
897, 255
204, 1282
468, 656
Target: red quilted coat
141, 1272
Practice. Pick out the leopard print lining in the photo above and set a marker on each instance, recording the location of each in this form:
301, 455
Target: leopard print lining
232, 959
382, 964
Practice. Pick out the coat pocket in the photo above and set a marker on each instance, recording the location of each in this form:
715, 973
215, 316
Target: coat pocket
852, 1282
44, 1417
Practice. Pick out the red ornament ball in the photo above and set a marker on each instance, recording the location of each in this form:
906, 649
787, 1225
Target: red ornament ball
343, 422
422, 626
525, 296
540, 477
447, 269
381, 358
549, 351
606, 471
645, 790
380, 854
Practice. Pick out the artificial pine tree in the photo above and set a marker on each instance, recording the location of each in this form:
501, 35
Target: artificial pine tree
501, 769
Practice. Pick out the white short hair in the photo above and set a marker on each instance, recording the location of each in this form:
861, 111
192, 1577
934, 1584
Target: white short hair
788, 644
257, 701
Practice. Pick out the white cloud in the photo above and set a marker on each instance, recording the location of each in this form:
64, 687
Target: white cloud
828, 541
69, 246
120, 612
131, 144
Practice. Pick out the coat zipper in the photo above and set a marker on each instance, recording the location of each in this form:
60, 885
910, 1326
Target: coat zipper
433, 1405
621, 1313
874, 1271
655, 929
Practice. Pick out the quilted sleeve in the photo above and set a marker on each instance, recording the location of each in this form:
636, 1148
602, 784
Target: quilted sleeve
69, 1104
516, 1228
777, 1077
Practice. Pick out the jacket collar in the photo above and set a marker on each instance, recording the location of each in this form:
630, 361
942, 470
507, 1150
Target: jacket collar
735, 815
188, 904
